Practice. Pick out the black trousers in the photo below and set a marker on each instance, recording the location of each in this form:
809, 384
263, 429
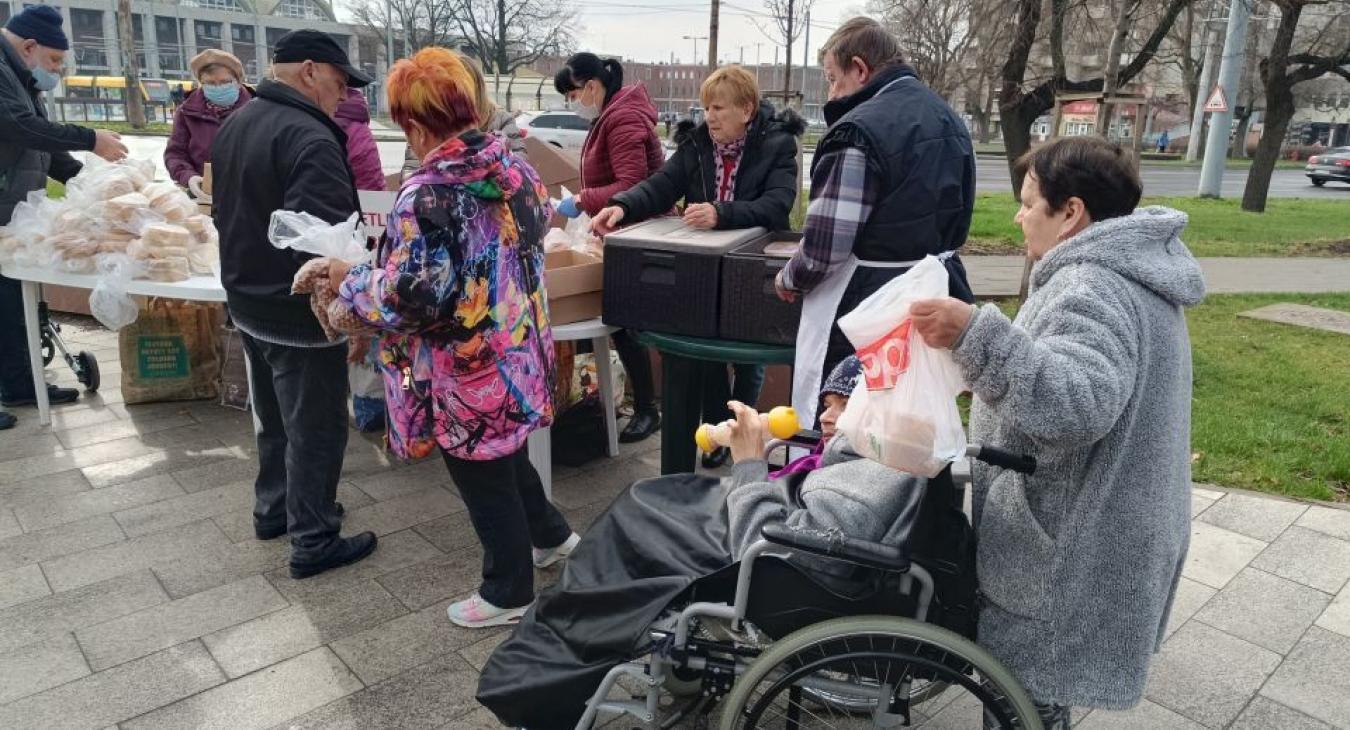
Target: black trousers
300, 417
511, 515
16, 382
742, 385
638, 365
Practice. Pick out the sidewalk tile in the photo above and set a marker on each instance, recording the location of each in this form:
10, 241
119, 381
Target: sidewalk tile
39, 667
244, 468
76, 507
421, 697
220, 563
1207, 675
1315, 678
477, 653
167, 624
180, 510
450, 533
1259, 517
403, 512
1143, 716
394, 552
379, 653
42, 488
90, 456
21, 585
1216, 555
480, 719
387, 485
75, 438
1199, 504
117, 694
259, 700
437, 579
1337, 616
57, 614
162, 460
9, 525
162, 548
19, 446
588, 487
237, 524
1190, 597
1309, 557
346, 610
1265, 714
1204, 491
33, 547
1327, 520
1264, 609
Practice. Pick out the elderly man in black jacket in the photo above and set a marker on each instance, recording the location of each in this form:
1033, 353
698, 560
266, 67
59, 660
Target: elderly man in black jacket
32, 50
738, 169
284, 151
892, 181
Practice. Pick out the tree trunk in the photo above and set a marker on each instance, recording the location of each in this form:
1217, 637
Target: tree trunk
1017, 123
1110, 75
131, 71
1279, 110
500, 57
787, 60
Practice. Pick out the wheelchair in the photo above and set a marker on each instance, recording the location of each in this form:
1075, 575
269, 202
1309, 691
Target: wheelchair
773, 647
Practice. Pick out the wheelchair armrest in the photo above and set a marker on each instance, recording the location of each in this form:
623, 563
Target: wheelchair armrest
805, 438
837, 546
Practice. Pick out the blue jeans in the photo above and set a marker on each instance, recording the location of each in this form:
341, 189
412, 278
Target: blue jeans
300, 418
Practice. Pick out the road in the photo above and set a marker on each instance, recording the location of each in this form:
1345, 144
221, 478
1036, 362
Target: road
991, 174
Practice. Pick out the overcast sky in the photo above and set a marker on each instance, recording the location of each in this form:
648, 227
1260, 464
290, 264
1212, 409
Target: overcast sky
650, 30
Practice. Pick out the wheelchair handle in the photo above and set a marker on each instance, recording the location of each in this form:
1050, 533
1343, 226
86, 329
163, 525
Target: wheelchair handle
1021, 463
835, 544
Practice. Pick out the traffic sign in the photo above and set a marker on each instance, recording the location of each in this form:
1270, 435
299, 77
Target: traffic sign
1218, 101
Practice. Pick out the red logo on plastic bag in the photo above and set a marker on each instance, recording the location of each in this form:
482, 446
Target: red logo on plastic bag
885, 360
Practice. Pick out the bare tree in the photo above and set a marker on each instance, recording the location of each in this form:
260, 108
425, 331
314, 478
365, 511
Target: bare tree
416, 23
508, 34
785, 27
1323, 48
1021, 102
936, 36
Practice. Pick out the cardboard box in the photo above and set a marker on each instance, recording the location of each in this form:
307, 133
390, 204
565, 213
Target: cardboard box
557, 168
574, 281
206, 178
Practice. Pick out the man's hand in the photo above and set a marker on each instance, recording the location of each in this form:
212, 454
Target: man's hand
747, 433
337, 271
783, 292
108, 145
940, 321
701, 215
607, 220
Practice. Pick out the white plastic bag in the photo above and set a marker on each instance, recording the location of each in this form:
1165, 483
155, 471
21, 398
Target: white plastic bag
310, 234
109, 302
903, 410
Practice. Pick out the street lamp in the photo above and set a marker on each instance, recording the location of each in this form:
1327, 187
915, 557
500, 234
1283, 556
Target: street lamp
696, 39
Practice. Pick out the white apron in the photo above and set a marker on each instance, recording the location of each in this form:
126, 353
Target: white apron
820, 310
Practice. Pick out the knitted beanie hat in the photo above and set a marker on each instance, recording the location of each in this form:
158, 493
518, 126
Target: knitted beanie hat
41, 23
843, 377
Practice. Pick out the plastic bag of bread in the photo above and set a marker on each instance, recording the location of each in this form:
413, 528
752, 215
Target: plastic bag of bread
130, 212
204, 259
73, 252
169, 201
165, 235
109, 302
167, 269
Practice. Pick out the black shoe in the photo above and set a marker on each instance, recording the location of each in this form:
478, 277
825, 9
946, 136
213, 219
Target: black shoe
717, 458
7, 421
640, 426
345, 551
55, 396
272, 533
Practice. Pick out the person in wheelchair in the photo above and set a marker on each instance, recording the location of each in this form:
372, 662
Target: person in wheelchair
680, 537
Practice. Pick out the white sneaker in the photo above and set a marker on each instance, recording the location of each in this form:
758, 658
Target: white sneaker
475, 613
544, 557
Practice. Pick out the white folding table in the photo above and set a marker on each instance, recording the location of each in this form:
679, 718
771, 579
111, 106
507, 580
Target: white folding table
197, 288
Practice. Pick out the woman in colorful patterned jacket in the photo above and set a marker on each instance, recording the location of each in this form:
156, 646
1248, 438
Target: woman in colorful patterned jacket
457, 292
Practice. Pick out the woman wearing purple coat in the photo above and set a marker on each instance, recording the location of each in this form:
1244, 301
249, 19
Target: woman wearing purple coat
353, 115
220, 91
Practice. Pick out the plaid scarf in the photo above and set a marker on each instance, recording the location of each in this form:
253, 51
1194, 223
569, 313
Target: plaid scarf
726, 160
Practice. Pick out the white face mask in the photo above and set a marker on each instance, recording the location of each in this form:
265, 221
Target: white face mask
586, 111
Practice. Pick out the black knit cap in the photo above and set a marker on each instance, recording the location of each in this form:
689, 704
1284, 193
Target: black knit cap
311, 45
41, 23
843, 377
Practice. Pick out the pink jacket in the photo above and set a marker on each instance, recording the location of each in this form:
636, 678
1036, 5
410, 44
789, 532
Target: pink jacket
353, 115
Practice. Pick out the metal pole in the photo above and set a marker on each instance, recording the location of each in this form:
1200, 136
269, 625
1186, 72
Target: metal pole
670, 87
1202, 90
806, 58
1221, 123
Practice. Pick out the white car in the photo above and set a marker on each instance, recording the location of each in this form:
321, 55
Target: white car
559, 128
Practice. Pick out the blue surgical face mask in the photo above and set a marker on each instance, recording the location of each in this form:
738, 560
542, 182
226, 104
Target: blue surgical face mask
45, 80
221, 94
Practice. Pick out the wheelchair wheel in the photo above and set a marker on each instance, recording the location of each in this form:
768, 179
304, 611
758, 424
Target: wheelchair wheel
880, 656
920, 691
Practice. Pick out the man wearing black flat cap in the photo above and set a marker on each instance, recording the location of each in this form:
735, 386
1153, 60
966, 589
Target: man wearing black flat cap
283, 151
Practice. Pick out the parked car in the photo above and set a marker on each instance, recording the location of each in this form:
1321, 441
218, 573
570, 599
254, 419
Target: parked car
1334, 164
559, 128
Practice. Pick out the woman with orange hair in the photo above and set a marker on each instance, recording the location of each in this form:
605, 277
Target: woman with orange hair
457, 292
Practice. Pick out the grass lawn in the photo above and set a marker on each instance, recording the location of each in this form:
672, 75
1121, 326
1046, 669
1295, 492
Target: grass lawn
1269, 411
1289, 227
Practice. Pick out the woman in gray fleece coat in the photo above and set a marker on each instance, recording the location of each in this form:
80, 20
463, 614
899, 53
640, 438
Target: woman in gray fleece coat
1079, 563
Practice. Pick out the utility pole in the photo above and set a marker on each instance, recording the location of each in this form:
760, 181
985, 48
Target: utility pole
787, 58
130, 68
1221, 123
1202, 90
670, 86
712, 38
806, 59
388, 47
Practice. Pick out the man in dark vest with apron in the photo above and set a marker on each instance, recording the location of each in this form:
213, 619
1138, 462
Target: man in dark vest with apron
893, 180
32, 148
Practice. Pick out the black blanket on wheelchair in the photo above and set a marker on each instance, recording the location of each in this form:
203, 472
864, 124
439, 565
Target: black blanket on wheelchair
653, 543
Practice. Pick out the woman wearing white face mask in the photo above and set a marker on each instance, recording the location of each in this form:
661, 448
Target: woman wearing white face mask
620, 151
220, 92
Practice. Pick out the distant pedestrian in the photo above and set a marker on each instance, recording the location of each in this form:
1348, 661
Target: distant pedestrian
1163, 141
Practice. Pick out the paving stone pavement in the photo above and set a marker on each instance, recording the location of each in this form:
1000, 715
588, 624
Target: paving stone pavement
133, 594
1000, 276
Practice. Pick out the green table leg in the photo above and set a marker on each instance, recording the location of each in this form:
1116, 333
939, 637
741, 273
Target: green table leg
681, 389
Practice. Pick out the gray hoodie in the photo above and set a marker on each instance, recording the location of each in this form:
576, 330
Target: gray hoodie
1079, 563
